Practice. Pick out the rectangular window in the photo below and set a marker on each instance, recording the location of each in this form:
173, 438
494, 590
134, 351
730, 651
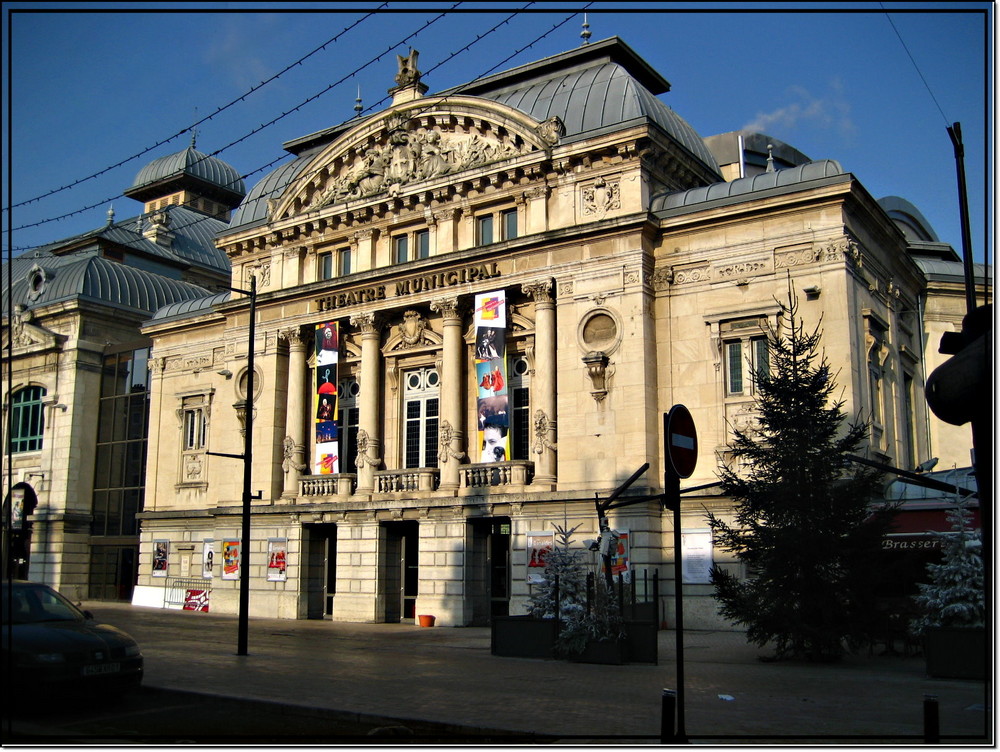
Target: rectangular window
344, 262
194, 429
325, 266
348, 416
734, 368
424, 244
508, 221
761, 356
520, 403
401, 249
27, 422
420, 418
484, 229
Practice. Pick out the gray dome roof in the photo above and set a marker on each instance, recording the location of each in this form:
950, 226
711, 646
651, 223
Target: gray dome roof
102, 281
191, 307
253, 209
189, 163
738, 190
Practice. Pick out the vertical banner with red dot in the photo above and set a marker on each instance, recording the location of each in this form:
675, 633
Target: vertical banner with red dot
490, 361
325, 412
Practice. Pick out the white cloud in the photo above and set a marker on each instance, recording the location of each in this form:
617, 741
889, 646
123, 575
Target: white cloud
829, 112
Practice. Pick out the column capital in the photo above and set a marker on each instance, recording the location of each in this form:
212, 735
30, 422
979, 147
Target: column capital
295, 337
367, 321
449, 308
540, 290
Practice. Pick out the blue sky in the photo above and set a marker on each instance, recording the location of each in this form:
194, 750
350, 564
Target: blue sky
872, 85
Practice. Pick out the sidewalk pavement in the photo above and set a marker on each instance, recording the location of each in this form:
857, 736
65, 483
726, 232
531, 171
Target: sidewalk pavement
447, 675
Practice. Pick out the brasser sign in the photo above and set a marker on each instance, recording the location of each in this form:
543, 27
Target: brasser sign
680, 441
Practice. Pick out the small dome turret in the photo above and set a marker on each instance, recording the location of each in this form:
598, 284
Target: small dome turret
189, 178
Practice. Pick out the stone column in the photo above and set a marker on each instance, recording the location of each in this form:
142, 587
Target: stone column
451, 427
295, 433
369, 434
543, 381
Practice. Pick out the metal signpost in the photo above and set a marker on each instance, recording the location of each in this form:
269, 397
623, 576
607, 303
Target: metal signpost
680, 444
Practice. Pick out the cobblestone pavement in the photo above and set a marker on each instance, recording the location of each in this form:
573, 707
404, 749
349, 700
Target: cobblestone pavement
447, 675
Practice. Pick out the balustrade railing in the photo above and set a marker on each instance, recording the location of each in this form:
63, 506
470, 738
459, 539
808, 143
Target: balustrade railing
339, 484
512, 473
411, 479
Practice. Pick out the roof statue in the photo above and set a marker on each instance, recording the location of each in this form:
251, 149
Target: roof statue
408, 73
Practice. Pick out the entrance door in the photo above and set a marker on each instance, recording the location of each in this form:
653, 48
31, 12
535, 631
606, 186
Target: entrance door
321, 570
400, 575
489, 570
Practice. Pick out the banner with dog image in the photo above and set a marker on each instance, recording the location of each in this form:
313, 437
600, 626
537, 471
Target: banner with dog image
490, 362
325, 412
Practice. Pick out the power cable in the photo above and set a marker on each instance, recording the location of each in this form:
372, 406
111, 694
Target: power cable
915, 66
260, 127
194, 125
457, 91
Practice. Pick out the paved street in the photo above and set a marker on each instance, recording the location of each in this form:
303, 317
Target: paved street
398, 674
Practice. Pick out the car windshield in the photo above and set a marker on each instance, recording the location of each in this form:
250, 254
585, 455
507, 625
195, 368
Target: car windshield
34, 604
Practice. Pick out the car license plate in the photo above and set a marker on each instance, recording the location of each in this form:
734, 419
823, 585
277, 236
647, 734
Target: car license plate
102, 668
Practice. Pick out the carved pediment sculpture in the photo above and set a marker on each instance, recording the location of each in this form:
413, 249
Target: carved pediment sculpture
24, 333
423, 141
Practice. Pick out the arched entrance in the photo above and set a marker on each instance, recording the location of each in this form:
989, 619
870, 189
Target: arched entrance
18, 506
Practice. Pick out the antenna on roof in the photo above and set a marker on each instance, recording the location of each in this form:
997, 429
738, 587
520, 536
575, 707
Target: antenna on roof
357, 103
770, 159
585, 34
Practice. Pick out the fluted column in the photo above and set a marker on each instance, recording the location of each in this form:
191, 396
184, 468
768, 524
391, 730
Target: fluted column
369, 433
451, 430
543, 381
294, 448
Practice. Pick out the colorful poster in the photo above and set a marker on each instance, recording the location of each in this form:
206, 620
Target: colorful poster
277, 559
208, 558
195, 600
620, 556
538, 547
230, 560
490, 368
327, 461
161, 556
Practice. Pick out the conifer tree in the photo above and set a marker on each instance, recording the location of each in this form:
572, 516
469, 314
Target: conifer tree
955, 595
564, 579
807, 525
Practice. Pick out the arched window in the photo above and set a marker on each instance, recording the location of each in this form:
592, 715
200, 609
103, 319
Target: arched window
27, 420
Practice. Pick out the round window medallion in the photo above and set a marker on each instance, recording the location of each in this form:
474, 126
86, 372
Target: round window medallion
599, 330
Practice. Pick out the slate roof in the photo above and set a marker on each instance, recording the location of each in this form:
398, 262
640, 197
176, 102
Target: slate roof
89, 277
189, 163
736, 191
600, 86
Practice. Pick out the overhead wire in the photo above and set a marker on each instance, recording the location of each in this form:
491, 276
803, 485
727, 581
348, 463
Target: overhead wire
357, 70
205, 119
260, 127
915, 66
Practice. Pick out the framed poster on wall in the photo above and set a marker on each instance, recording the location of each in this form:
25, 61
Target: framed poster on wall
230, 560
208, 558
161, 557
277, 559
697, 557
538, 547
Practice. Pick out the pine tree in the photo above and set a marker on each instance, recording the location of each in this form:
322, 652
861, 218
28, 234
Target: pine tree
955, 595
566, 564
804, 525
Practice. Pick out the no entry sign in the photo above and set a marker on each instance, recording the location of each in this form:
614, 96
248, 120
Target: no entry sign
680, 441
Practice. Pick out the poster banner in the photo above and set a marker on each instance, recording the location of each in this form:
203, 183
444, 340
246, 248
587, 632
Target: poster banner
490, 368
620, 563
195, 600
161, 556
325, 414
208, 558
230, 560
538, 547
277, 558
696, 557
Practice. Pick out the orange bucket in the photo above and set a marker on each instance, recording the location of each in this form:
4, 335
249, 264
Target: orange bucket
426, 620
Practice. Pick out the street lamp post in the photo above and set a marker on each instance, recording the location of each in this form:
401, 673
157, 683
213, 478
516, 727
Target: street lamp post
247, 457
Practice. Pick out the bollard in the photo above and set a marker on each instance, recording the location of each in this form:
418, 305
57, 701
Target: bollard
668, 709
932, 728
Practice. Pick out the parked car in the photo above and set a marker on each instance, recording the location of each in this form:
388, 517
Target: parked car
49, 644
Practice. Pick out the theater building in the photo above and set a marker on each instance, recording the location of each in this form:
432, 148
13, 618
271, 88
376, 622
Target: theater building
473, 309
